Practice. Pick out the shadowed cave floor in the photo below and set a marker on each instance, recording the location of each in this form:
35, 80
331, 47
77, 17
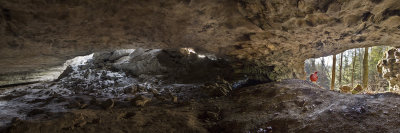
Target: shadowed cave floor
287, 106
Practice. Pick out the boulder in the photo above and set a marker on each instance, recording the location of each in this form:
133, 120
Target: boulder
141, 61
117, 54
345, 89
356, 90
140, 100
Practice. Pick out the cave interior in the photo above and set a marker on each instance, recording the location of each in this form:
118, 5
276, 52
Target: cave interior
198, 66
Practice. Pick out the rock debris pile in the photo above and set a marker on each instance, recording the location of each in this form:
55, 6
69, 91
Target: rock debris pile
121, 78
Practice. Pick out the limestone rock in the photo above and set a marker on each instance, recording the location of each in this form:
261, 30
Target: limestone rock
220, 88
108, 104
175, 99
101, 57
66, 72
141, 100
357, 89
390, 68
143, 62
117, 54
132, 89
345, 89
257, 34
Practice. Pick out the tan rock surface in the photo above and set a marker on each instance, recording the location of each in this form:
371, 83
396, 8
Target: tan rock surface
268, 39
390, 66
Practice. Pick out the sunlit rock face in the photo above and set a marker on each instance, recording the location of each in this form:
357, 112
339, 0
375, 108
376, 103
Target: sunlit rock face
389, 66
268, 39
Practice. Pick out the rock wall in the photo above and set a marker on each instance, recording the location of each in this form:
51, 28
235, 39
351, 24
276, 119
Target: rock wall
389, 66
171, 65
268, 39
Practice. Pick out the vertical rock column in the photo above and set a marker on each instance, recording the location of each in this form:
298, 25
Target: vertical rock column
389, 66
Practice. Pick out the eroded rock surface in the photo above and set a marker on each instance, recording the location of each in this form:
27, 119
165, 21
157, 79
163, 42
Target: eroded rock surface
269, 39
154, 90
389, 67
287, 106
102, 81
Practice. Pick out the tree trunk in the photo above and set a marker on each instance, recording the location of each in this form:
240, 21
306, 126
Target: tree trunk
365, 68
360, 55
354, 67
333, 72
340, 69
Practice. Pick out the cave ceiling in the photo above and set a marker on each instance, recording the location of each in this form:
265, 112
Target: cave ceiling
39, 34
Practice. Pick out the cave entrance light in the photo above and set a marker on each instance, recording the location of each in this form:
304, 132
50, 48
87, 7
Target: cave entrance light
349, 72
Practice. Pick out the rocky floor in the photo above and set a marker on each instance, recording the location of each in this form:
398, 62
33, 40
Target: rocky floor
287, 106
108, 94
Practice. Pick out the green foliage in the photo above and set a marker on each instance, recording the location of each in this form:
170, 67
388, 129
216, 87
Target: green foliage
324, 68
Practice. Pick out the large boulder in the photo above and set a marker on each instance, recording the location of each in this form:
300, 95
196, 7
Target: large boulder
142, 61
172, 64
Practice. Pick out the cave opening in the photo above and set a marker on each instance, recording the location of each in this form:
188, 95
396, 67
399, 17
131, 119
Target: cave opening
57, 72
42, 75
380, 62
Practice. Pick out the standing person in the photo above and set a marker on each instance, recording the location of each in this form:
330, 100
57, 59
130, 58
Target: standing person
314, 77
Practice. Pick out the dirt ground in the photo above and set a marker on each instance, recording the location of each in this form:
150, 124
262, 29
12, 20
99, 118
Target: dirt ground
287, 106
